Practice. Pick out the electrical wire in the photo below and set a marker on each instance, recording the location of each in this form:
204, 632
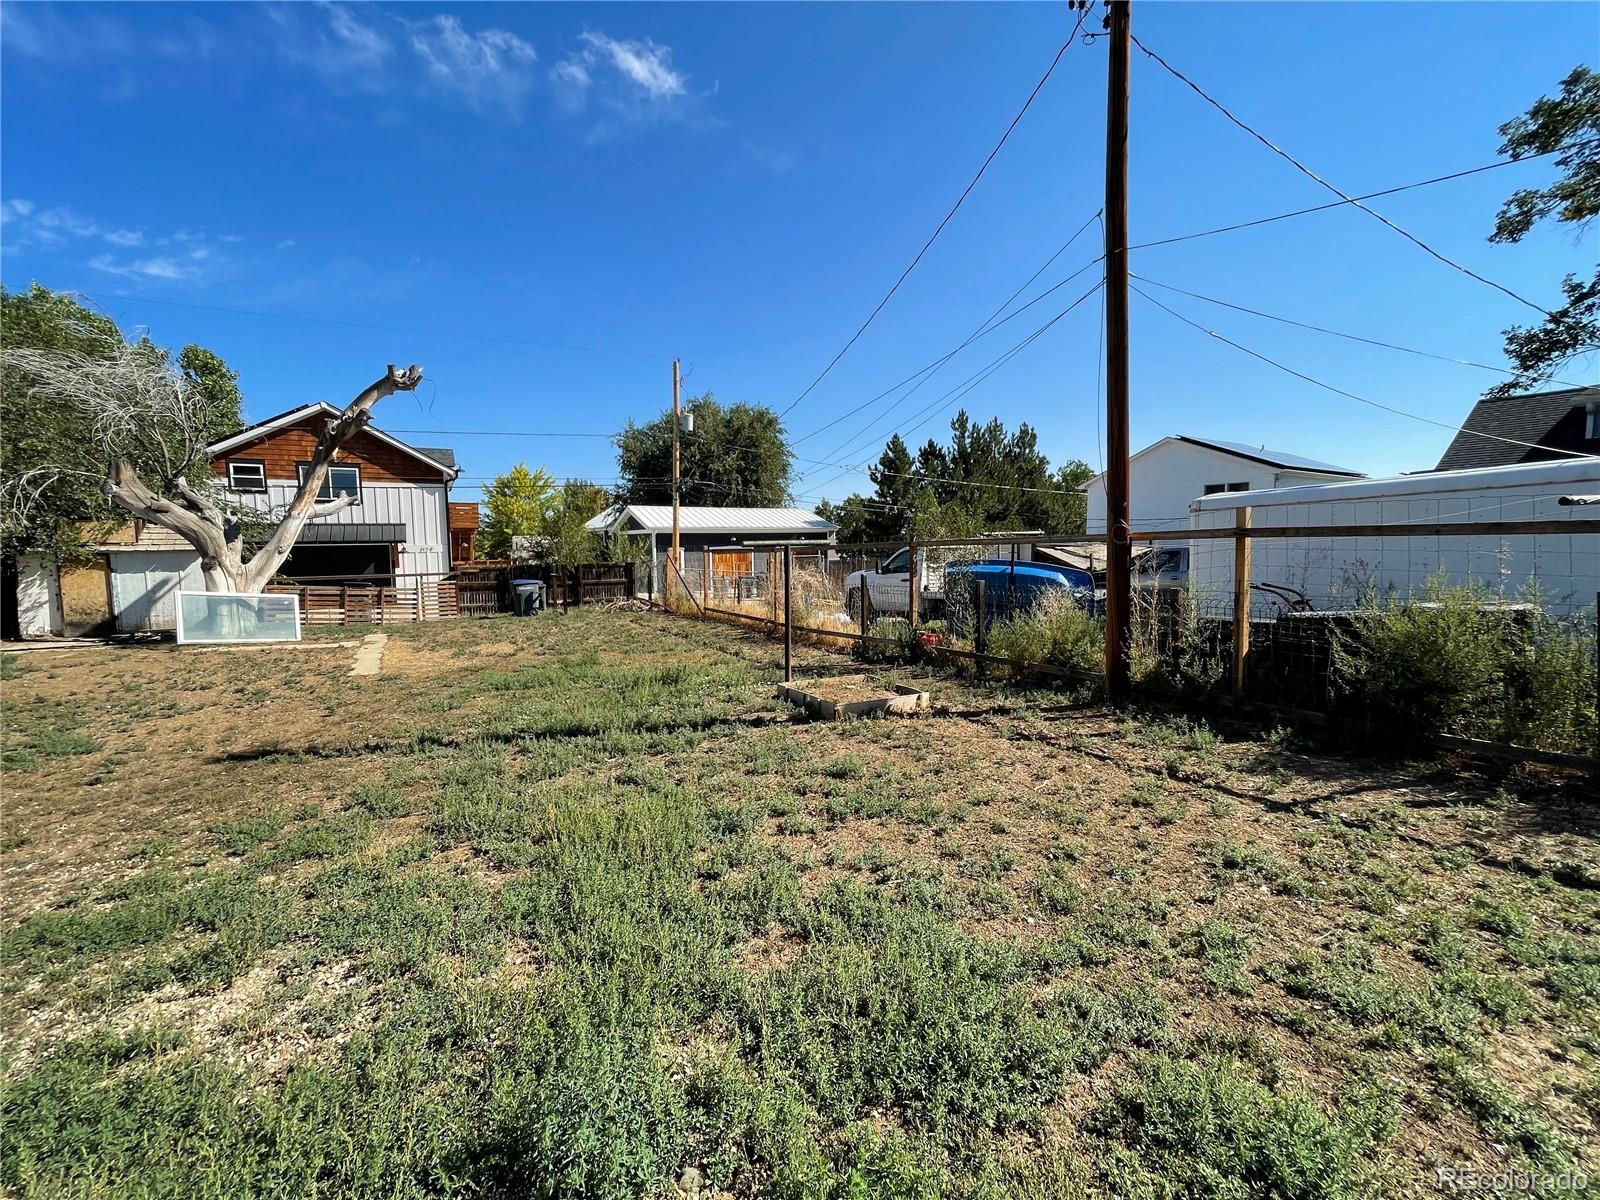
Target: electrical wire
1026, 104
855, 437
1255, 312
1316, 208
1310, 174
987, 326
1351, 395
966, 386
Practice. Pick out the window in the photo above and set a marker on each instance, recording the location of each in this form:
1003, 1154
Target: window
247, 475
896, 562
1592, 425
1213, 488
339, 481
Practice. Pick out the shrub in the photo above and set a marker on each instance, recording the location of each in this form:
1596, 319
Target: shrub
895, 643
1055, 631
1456, 661
1207, 1129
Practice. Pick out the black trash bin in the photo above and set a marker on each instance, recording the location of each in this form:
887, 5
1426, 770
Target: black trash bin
527, 596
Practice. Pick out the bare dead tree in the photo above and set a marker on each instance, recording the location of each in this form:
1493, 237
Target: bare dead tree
140, 407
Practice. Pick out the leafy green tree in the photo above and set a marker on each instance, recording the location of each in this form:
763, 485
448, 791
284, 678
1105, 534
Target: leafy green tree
53, 460
1569, 126
737, 455
854, 517
565, 538
516, 504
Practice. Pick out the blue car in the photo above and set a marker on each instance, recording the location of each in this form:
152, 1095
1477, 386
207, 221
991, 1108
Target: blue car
1010, 588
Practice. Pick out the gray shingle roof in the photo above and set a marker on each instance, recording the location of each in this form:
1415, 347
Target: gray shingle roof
1555, 421
447, 457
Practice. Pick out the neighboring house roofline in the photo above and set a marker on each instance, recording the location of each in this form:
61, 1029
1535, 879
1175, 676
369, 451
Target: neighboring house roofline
697, 519
1522, 427
1233, 450
293, 416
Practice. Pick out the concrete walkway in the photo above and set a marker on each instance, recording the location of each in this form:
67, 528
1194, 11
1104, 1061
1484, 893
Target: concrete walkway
369, 659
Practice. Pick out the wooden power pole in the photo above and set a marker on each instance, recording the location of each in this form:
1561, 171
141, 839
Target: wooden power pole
677, 419
1119, 557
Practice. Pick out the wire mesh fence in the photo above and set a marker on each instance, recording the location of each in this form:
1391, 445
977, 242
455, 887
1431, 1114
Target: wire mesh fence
1486, 630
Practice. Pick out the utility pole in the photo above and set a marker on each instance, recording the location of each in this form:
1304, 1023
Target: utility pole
1119, 549
677, 419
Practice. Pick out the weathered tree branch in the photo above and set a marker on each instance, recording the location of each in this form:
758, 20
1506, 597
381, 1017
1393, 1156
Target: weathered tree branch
201, 522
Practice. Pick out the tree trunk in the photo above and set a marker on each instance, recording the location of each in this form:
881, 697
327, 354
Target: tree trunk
217, 537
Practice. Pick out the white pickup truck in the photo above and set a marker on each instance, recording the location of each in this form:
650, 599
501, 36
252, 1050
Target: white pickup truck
888, 589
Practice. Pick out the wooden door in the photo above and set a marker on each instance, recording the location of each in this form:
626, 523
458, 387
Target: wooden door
726, 564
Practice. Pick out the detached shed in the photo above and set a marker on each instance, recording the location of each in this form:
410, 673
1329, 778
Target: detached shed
130, 585
714, 540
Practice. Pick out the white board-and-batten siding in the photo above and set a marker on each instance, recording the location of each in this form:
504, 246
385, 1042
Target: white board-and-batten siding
421, 508
145, 586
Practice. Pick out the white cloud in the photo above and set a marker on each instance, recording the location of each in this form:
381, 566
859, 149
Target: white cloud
628, 81
646, 64
349, 53
285, 244
59, 228
144, 268
492, 68
34, 226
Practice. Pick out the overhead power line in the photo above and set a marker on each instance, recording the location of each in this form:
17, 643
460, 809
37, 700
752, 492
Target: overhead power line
968, 384
497, 433
1338, 391
1316, 208
1026, 104
988, 325
1310, 174
1353, 337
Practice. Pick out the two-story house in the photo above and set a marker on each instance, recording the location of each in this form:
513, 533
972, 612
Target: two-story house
400, 522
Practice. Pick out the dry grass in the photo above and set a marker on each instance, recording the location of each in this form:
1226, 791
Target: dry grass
607, 818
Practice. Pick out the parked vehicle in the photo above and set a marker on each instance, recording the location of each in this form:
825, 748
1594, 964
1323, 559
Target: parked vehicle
1166, 566
887, 590
1010, 588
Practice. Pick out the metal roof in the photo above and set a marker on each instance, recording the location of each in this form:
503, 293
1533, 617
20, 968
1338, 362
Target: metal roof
1273, 458
657, 518
320, 533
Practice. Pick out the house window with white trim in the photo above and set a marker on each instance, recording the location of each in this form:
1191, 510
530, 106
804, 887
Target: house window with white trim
1591, 426
1213, 488
339, 481
247, 475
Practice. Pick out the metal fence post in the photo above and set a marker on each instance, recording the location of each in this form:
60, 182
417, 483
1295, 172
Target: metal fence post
788, 622
1241, 597
980, 635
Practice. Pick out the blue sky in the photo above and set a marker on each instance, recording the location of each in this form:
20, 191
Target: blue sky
545, 204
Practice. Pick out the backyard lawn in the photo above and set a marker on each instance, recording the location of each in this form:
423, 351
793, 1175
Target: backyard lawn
573, 907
